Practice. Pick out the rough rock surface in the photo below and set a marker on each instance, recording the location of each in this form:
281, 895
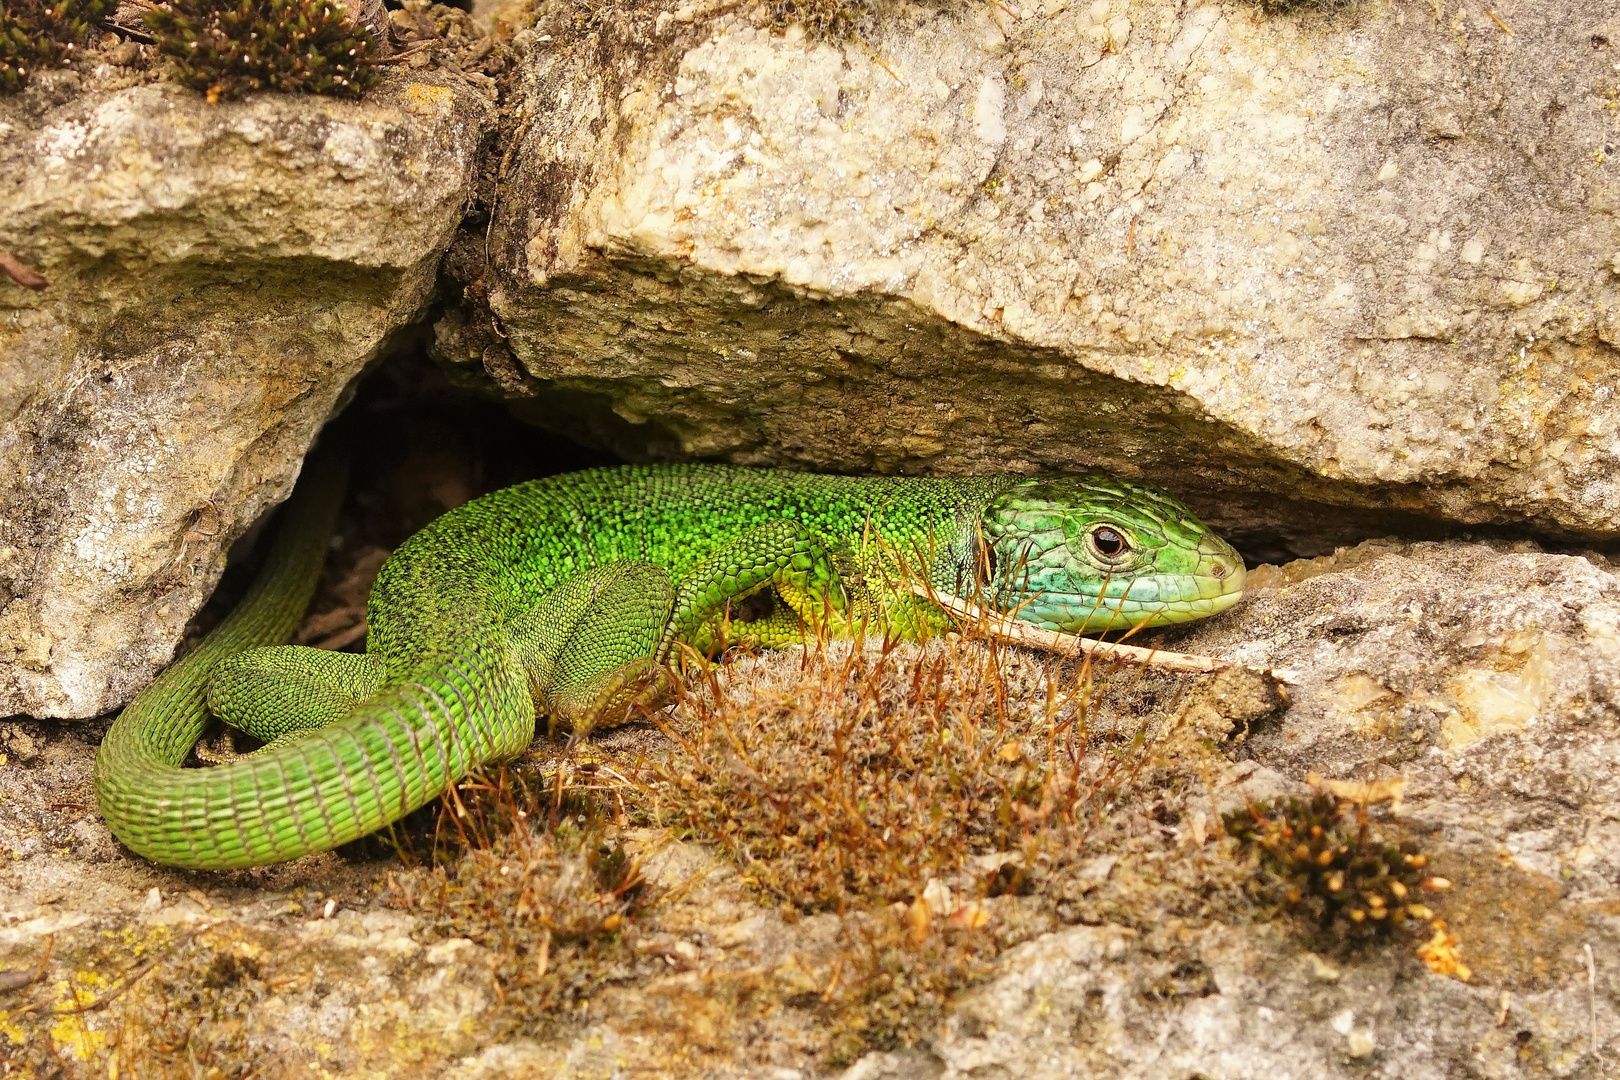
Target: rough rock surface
1481, 687
218, 276
1366, 260
1476, 684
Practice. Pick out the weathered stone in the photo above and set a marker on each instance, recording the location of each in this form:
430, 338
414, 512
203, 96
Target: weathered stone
1035, 245
1360, 261
219, 275
1516, 785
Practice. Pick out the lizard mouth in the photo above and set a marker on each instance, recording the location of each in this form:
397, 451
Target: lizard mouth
1153, 600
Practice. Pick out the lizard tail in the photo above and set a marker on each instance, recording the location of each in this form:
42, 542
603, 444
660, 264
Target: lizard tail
467, 704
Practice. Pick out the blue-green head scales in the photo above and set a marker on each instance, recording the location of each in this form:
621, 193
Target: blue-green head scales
1081, 555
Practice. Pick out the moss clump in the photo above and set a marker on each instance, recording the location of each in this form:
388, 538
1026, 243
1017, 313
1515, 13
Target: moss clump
841, 20
895, 983
542, 883
1324, 861
836, 19
36, 34
868, 781
234, 48
1297, 7
867, 776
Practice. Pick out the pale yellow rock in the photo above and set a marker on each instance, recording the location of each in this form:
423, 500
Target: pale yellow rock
774, 250
219, 276
1494, 701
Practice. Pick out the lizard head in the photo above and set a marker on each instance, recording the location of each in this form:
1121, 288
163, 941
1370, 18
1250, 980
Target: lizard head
1085, 554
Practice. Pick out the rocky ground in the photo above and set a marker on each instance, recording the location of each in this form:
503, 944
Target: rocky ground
1105, 924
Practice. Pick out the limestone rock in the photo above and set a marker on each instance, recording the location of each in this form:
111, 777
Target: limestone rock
218, 276
1476, 686
1274, 263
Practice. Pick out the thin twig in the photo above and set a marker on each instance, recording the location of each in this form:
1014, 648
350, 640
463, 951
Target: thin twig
17, 980
1591, 993
1015, 632
21, 272
878, 60
404, 54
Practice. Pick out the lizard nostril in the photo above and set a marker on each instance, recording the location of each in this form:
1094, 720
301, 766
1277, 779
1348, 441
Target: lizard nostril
1218, 571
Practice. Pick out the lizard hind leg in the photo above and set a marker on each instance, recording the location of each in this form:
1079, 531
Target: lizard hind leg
278, 692
590, 645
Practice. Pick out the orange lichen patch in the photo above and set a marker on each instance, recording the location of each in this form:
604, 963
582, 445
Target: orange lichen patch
1442, 954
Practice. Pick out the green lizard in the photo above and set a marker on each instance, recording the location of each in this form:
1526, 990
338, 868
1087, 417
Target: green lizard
566, 597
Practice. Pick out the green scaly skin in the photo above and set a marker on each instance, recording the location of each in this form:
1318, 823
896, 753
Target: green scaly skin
565, 598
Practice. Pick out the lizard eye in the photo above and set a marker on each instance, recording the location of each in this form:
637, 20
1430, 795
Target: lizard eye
1109, 542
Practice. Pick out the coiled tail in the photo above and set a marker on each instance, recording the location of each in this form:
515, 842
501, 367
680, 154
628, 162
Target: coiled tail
467, 703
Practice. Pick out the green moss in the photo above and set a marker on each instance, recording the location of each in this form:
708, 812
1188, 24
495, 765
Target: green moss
36, 34
230, 49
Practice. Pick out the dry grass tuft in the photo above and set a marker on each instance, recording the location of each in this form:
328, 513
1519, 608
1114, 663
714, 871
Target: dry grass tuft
868, 772
939, 798
893, 984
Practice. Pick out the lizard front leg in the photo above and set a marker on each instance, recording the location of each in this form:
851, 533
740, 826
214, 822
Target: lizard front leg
780, 555
590, 644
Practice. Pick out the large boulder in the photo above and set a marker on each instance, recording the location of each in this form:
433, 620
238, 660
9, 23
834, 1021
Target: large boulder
1282, 264
219, 274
